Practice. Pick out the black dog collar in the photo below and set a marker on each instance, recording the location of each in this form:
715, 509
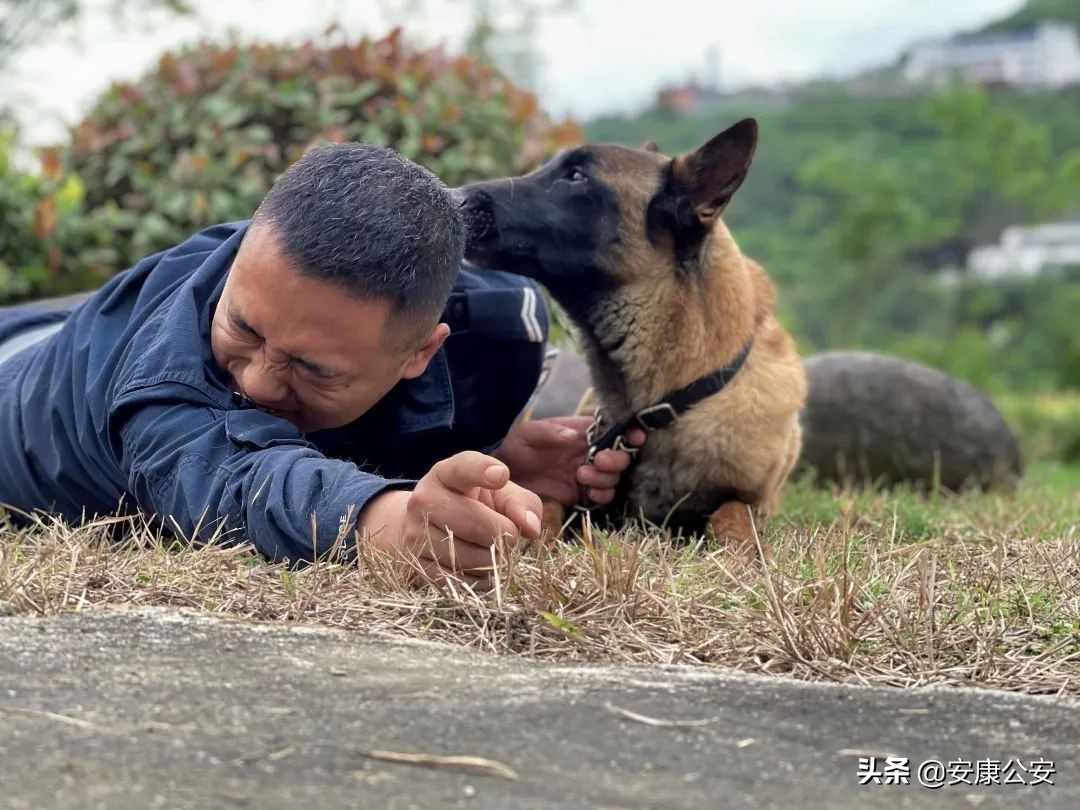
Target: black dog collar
662, 414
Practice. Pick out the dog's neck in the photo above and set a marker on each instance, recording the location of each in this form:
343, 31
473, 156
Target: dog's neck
643, 342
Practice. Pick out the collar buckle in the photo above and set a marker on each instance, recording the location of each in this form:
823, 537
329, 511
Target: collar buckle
656, 417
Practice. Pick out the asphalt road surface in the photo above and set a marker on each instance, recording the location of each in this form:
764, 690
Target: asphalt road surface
178, 710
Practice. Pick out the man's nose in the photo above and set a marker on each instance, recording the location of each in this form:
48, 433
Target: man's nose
263, 384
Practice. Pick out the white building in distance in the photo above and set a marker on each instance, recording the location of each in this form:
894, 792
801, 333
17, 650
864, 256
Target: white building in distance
1045, 56
1028, 251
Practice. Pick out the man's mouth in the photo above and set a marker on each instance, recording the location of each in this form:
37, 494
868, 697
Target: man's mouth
265, 408
290, 416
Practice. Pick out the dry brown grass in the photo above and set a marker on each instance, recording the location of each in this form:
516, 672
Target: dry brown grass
963, 600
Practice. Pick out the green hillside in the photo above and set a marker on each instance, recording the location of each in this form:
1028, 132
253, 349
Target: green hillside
855, 202
1034, 12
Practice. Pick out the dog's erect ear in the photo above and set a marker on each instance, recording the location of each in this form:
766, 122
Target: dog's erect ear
650, 146
711, 175
695, 189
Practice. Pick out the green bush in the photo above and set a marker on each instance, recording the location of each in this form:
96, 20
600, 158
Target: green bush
997, 334
20, 248
201, 137
46, 246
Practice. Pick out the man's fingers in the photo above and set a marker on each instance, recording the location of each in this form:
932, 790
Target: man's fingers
558, 431
600, 485
453, 553
469, 520
611, 461
446, 502
521, 506
601, 477
460, 536
470, 470
600, 496
590, 476
578, 423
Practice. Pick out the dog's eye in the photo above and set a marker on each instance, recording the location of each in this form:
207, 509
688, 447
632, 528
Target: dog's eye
575, 175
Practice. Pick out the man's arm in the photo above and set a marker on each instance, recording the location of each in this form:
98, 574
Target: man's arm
204, 470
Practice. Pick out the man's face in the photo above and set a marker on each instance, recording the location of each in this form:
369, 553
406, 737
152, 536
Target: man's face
301, 348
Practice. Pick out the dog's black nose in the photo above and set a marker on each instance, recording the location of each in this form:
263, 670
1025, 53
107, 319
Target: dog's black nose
477, 211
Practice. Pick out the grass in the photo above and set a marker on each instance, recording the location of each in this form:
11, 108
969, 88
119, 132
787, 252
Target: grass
888, 588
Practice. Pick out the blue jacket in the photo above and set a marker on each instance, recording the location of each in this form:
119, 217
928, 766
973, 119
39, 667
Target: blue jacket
124, 408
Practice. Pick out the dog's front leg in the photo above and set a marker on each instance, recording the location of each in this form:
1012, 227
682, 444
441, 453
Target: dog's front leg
733, 525
551, 522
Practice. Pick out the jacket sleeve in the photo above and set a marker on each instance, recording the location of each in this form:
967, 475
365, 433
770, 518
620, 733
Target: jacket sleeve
237, 474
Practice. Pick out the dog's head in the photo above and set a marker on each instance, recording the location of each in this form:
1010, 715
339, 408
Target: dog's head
598, 217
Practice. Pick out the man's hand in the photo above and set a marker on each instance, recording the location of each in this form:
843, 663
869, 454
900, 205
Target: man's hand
547, 456
454, 515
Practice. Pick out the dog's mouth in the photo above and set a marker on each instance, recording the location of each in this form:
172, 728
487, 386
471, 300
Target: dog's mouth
486, 245
517, 258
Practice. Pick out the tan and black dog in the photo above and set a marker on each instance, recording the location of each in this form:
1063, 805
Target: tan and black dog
675, 322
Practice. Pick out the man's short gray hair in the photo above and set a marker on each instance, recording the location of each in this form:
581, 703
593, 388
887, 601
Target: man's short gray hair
378, 225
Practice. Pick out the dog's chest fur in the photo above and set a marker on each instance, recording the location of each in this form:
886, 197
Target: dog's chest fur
724, 448
682, 475
665, 488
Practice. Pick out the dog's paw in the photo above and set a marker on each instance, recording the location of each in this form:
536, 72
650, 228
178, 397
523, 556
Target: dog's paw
551, 522
733, 526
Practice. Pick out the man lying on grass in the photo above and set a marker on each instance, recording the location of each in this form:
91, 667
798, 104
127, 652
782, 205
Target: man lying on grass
328, 365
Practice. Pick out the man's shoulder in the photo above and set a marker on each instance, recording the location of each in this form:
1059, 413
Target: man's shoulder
158, 272
208, 239
471, 277
157, 313
497, 305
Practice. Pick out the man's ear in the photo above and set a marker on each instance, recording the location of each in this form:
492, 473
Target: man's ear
710, 176
418, 362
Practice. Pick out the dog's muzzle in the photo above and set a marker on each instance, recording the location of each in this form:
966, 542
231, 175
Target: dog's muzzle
479, 216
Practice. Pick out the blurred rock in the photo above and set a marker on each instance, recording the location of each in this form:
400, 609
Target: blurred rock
870, 417
565, 386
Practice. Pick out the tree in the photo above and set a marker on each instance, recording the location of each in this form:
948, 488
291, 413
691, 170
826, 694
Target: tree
25, 23
1032, 13
985, 166
502, 32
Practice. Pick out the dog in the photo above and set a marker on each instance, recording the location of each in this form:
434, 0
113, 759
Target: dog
676, 324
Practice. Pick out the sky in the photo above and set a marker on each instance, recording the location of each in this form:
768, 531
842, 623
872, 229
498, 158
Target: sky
601, 56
